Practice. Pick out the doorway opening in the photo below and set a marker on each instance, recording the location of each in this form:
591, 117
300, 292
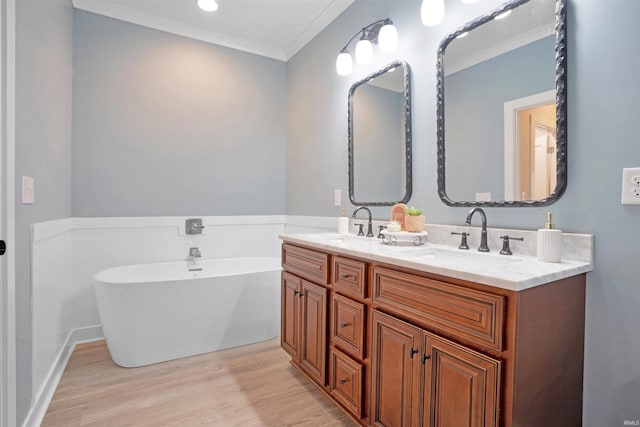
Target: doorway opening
530, 147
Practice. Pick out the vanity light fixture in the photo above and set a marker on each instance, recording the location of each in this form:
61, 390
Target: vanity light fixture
207, 5
364, 50
382, 32
432, 12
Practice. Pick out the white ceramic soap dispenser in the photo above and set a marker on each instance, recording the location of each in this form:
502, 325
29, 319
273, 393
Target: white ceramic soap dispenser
549, 242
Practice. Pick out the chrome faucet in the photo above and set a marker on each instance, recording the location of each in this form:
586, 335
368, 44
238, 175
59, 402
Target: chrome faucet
483, 234
194, 254
369, 228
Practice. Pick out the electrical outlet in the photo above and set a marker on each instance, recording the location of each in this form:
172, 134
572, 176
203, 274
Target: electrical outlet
337, 198
631, 186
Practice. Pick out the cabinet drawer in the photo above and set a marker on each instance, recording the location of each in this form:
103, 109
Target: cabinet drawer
347, 325
346, 381
473, 315
349, 277
306, 263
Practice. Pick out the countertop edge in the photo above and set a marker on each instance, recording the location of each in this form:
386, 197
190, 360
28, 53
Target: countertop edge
566, 269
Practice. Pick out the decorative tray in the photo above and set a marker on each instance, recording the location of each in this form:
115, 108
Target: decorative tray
404, 238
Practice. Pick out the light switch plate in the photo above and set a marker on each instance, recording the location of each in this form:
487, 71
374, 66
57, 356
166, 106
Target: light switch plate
28, 190
631, 186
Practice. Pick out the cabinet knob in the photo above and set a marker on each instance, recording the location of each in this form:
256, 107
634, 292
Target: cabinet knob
342, 381
425, 357
413, 351
343, 325
296, 293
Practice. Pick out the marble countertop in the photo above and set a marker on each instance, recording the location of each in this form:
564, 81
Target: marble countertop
515, 272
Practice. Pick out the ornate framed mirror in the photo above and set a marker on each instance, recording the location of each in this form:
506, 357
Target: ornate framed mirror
379, 123
501, 113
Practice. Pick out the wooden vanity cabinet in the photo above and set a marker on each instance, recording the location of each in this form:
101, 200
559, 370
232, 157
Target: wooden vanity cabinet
304, 325
290, 315
421, 379
396, 347
304, 314
349, 363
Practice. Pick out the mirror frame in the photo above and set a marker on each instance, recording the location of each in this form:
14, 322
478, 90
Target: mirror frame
561, 108
407, 133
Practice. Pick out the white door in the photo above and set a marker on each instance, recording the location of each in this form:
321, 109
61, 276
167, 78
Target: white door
544, 170
7, 281
540, 175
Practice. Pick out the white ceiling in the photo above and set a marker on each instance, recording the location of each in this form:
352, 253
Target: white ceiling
528, 22
273, 28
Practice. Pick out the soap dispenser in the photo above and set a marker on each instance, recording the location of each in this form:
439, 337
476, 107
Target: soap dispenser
549, 242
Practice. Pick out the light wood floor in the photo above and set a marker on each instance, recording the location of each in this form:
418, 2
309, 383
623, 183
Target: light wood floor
246, 386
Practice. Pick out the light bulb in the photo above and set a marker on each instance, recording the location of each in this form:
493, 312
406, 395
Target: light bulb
344, 64
364, 52
387, 38
432, 12
207, 5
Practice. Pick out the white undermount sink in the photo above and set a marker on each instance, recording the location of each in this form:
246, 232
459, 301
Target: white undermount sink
472, 255
425, 252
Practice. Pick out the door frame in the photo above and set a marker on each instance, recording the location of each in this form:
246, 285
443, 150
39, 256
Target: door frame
511, 148
7, 215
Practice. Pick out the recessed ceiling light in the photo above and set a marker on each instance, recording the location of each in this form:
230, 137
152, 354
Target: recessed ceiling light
503, 15
207, 5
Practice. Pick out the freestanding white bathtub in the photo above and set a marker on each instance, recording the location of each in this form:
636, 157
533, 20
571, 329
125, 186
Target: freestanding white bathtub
152, 313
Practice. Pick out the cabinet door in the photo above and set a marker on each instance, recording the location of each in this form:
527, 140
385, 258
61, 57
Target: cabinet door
396, 349
313, 350
461, 386
290, 313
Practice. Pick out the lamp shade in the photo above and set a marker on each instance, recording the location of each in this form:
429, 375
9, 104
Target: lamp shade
432, 12
207, 5
344, 64
364, 52
387, 38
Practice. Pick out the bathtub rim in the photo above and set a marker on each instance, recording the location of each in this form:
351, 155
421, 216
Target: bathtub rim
99, 276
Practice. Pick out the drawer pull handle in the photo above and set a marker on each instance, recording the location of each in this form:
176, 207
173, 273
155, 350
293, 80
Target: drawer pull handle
425, 357
342, 381
346, 276
343, 325
413, 351
296, 293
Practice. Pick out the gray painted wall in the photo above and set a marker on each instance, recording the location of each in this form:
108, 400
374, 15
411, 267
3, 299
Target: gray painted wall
604, 102
43, 148
474, 111
165, 125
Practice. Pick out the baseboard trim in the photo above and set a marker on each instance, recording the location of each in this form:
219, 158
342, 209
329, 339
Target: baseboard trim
76, 336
